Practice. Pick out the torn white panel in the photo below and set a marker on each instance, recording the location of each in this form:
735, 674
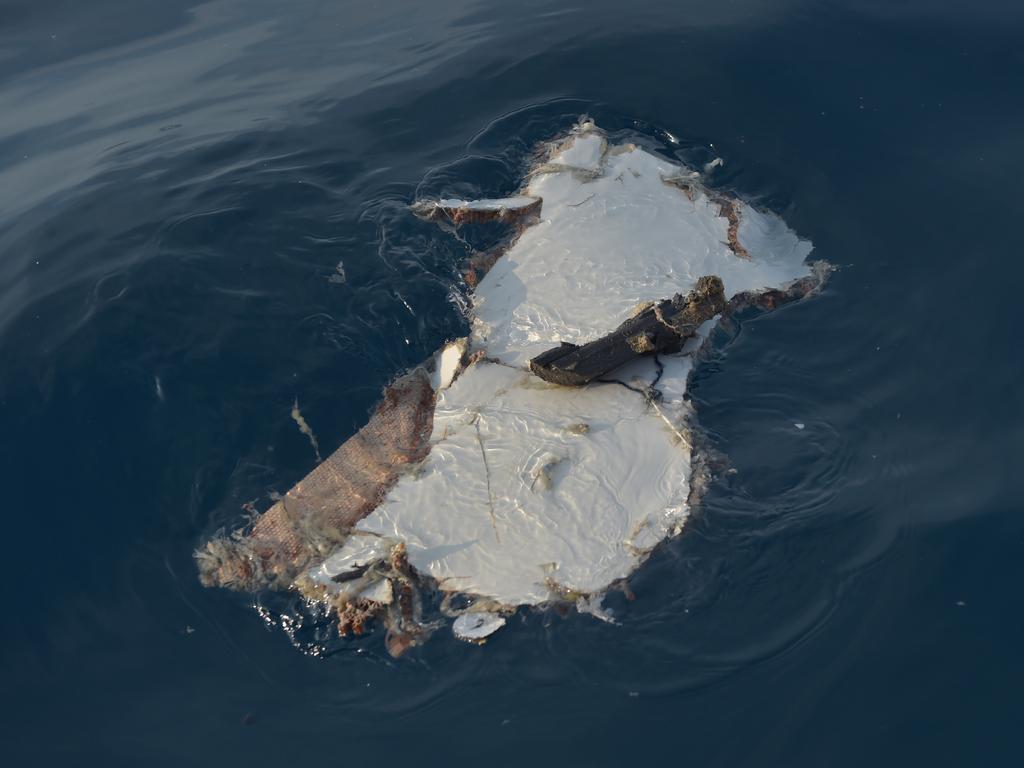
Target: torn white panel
531, 491
606, 244
476, 518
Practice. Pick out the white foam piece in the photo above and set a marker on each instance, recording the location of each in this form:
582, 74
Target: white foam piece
517, 501
476, 627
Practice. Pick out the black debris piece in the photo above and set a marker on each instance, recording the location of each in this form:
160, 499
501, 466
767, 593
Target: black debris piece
659, 327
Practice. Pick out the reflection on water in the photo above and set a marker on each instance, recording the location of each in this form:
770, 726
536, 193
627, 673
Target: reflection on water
203, 222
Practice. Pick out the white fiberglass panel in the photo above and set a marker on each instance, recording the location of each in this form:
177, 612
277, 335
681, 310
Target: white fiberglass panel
530, 487
605, 244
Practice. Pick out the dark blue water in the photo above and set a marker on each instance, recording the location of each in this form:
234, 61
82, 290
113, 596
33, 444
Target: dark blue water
178, 185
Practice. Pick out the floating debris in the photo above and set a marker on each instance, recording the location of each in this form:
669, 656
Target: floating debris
305, 429
716, 163
661, 327
466, 211
483, 476
477, 627
338, 275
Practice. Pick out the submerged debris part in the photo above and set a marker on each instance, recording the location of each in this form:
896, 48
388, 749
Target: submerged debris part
305, 429
481, 475
314, 517
661, 327
459, 212
477, 627
768, 299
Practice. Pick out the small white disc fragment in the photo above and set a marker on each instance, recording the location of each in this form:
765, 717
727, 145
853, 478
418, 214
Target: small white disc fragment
476, 627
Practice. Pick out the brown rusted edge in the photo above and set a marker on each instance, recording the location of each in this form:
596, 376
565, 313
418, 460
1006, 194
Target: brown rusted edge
458, 215
728, 209
773, 298
480, 263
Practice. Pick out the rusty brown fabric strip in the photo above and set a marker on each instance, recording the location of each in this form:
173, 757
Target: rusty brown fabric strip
317, 513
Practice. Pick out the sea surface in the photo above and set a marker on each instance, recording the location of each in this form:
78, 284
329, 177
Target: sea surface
203, 221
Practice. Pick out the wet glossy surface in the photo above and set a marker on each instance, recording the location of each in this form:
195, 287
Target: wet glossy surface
203, 217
